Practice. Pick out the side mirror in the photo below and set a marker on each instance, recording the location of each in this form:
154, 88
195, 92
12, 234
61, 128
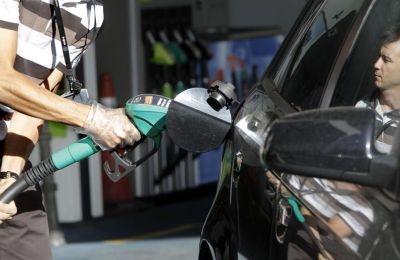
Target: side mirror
335, 143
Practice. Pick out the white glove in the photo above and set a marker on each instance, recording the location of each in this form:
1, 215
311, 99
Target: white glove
109, 127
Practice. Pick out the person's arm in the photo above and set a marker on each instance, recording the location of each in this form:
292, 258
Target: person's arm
20, 93
108, 127
25, 130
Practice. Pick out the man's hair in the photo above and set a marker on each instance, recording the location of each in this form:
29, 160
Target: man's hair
391, 34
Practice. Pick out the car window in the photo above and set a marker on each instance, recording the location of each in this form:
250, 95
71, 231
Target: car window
313, 61
356, 80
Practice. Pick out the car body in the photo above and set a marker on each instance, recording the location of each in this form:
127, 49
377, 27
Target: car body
326, 60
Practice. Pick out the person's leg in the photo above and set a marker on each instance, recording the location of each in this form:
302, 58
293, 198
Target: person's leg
26, 235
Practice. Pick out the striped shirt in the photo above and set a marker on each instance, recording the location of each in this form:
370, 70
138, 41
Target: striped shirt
384, 141
329, 200
39, 48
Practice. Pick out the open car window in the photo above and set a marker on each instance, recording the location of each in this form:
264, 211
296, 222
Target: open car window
356, 80
314, 59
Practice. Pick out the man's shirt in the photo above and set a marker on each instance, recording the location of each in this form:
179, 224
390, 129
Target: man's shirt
384, 141
39, 48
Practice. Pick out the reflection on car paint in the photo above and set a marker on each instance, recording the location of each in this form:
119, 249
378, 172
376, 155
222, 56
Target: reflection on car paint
227, 164
344, 207
252, 121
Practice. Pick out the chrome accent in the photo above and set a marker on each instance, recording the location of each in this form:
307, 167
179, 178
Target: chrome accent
283, 216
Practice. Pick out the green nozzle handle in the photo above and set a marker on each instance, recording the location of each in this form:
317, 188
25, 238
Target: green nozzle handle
148, 113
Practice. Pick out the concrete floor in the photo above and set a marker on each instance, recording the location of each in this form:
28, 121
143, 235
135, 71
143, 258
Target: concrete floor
167, 249
166, 231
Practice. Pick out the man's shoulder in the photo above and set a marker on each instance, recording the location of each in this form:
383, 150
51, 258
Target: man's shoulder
370, 100
363, 103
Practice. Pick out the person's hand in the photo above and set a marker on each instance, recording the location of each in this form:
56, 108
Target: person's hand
6, 210
110, 127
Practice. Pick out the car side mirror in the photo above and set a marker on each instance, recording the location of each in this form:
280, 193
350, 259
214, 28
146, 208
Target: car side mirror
335, 143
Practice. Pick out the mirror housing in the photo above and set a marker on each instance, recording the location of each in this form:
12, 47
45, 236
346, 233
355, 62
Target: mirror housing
334, 143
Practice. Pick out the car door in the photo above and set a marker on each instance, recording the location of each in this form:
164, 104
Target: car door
257, 214
333, 65
242, 217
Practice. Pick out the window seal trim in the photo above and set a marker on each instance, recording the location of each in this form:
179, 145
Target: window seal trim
290, 44
345, 52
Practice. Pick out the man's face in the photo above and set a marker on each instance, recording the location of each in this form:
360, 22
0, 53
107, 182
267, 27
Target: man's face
387, 67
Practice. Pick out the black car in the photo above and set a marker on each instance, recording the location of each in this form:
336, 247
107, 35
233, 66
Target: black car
300, 180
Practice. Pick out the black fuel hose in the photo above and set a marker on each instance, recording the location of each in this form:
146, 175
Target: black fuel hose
28, 178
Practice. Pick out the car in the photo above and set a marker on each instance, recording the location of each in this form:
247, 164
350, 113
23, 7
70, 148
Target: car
300, 177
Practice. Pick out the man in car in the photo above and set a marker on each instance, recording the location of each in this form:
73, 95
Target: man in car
352, 224
347, 212
32, 64
385, 100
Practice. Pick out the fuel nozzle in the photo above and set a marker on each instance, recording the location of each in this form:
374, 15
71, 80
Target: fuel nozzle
221, 94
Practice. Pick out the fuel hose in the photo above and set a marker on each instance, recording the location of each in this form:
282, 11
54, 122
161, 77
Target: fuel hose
71, 154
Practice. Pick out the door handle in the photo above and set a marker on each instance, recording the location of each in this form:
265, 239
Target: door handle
282, 220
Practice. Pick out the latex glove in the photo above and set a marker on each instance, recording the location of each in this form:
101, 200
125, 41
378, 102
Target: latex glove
6, 210
110, 127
